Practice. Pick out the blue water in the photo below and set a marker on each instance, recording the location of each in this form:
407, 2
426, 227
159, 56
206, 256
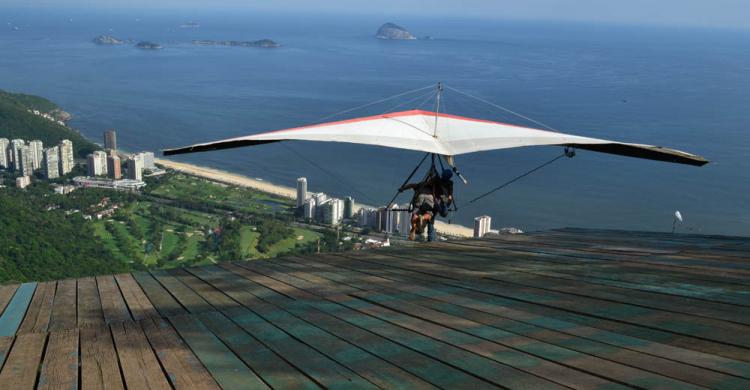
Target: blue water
683, 88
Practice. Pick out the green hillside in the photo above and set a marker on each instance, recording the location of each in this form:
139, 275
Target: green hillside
36, 244
17, 122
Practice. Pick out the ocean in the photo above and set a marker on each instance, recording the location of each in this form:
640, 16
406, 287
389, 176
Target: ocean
683, 88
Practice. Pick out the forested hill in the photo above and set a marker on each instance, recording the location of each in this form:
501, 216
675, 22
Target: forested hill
17, 122
37, 244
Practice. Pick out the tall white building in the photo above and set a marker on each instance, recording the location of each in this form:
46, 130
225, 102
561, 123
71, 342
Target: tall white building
333, 211
135, 167
348, 207
97, 163
51, 163
308, 210
149, 162
14, 149
391, 220
367, 217
301, 191
37, 153
102, 156
25, 161
404, 222
482, 226
66, 159
4, 143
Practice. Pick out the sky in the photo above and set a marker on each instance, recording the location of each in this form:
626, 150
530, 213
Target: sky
704, 13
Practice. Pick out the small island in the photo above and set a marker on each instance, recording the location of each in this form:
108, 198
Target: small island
392, 31
108, 40
190, 25
146, 45
259, 43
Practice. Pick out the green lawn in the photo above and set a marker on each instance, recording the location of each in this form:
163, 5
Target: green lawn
179, 186
169, 241
101, 231
249, 243
191, 248
300, 237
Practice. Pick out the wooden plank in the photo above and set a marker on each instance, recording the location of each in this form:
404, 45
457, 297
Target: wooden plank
497, 352
560, 321
21, 367
40, 310
89, 305
272, 368
139, 366
60, 367
647, 362
113, 305
189, 299
99, 364
158, 296
138, 303
6, 293
183, 369
228, 370
684, 331
5, 344
64, 306
564, 356
704, 302
11, 318
320, 368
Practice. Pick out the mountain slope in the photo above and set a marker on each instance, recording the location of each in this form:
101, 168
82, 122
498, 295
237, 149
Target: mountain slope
17, 122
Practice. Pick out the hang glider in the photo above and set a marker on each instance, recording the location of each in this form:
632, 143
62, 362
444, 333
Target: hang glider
442, 134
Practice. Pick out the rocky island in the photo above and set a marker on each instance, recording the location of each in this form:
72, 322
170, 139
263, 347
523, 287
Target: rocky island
393, 32
258, 43
146, 45
108, 40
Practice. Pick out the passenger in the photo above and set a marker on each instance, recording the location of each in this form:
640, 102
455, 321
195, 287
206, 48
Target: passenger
423, 204
443, 200
434, 194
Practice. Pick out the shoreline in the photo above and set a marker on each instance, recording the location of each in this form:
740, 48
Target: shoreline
225, 177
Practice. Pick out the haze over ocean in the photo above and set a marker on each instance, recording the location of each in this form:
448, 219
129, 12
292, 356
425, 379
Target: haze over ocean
685, 88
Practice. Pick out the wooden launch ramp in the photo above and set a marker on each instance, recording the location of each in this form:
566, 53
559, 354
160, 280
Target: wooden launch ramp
565, 308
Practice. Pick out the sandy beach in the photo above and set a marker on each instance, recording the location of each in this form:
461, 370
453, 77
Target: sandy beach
225, 177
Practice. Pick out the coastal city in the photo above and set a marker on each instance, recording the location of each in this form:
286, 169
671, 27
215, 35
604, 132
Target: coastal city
105, 169
112, 169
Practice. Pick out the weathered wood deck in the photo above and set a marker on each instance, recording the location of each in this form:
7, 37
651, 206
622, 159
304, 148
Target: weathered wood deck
567, 308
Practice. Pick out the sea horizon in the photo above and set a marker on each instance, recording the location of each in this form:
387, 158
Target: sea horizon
675, 87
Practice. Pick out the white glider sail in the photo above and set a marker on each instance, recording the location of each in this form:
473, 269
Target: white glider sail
451, 135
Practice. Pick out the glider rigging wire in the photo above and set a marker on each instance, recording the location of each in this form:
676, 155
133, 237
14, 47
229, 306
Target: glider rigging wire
567, 153
532, 120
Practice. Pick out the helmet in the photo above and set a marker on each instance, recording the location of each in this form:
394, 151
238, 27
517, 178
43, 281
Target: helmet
446, 175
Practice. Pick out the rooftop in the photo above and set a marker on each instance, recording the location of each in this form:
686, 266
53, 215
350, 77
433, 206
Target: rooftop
564, 308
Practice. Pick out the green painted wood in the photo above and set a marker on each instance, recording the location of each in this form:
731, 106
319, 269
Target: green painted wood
16, 309
431, 370
341, 268
315, 365
228, 370
162, 300
691, 332
274, 370
684, 372
187, 297
565, 356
